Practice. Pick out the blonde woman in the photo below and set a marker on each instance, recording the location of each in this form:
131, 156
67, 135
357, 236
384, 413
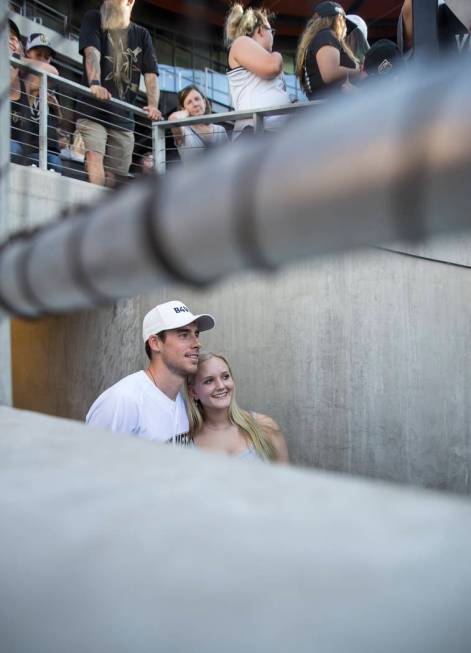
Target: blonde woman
255, 72
324, 61
218, 424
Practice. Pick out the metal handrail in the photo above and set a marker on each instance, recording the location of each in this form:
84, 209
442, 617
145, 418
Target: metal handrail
43, 104
78, 87
257, 115
158, 128
401, 174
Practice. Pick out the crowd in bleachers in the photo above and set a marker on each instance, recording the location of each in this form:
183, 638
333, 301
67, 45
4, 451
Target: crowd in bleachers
334, 56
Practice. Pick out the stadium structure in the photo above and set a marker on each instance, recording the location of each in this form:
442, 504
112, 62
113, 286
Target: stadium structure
336, 259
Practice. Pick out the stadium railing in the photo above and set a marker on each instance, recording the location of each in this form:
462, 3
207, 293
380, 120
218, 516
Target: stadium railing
153, 137
164, 141
73, 98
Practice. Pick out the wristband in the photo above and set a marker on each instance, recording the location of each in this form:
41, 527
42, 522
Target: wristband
95, 82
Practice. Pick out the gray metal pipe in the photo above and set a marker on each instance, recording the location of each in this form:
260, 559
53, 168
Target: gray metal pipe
391, 163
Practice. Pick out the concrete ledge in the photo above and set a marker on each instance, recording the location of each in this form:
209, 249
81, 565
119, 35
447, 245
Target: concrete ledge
37, 197
114, 544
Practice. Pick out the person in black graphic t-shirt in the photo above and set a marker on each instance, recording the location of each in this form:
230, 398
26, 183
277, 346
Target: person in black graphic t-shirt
115, 52
324, 61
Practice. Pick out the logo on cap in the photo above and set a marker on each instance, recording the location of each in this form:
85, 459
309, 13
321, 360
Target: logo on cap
384, 66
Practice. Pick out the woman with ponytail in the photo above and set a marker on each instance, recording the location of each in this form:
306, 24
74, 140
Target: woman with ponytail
216, 421
324, 61
255, 72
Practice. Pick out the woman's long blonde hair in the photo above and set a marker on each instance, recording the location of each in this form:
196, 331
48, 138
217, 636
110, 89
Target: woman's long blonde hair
315, 25
244, 22
238, 417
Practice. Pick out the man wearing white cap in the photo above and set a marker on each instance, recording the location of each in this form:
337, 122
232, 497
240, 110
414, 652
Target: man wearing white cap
149, 403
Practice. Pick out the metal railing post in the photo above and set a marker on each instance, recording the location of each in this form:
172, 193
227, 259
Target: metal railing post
158, 148
43, 120
6, 393
258, 123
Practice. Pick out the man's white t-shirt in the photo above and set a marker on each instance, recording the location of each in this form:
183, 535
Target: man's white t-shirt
135, 405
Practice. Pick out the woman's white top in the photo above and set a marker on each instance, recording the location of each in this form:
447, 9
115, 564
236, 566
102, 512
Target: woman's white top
249, 91
192, 143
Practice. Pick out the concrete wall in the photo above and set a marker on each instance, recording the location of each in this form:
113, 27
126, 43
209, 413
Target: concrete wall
48, 195
36, 350
364, 359
114, 544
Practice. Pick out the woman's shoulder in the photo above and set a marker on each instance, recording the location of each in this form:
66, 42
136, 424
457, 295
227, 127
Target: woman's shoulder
324, 37
241, 42
243, 45
274, 434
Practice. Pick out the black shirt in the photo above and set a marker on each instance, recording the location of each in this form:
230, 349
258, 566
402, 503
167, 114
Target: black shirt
452, 34
25, 125
20, 113
125, 54
314, 85
33, 128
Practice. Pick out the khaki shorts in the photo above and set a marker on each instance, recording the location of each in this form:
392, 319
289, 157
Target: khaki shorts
116, 145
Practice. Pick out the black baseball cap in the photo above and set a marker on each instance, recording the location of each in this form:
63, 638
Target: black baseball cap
327, 9
382, 57
14, 28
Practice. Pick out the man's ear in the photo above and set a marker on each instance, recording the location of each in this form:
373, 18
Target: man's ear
155, 344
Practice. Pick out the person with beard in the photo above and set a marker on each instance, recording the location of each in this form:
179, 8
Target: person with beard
115, 52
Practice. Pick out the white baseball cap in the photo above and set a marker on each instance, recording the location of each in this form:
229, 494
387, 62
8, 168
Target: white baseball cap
39, 40
357, 22
173, 315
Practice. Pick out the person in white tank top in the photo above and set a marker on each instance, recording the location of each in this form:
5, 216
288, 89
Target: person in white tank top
218, 424
255, 72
